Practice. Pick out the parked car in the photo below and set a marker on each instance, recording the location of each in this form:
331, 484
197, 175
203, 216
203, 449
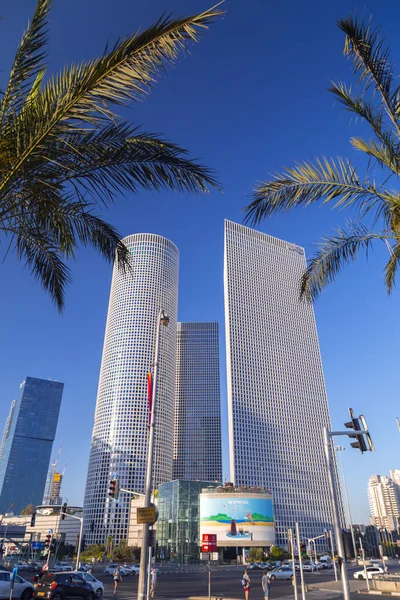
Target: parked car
111, 568
85, 567
371, 571
281, 573
22, 589
62, 566
95, 583
57, 586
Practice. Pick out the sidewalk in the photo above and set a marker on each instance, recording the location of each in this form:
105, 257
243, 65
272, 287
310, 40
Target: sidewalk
336, 586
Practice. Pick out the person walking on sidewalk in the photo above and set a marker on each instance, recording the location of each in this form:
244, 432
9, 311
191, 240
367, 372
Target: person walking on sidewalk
153, 582
266, 584
246, 584
117, 576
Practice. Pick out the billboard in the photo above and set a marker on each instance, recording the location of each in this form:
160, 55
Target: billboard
238, 519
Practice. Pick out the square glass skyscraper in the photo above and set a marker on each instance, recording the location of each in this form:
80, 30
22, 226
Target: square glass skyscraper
277, 402
27, 443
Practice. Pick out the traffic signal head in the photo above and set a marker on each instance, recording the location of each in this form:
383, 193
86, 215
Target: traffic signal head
355, 425
63, 511
33, 519
114, 489
47, 541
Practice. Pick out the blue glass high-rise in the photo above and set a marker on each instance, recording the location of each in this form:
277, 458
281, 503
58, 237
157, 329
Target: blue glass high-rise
29, 440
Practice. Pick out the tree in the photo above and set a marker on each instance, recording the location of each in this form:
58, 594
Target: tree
256, 554
375, 98
276, 553
29, 510
64, 150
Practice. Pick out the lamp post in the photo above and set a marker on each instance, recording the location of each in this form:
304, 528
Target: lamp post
340, 449
163, 320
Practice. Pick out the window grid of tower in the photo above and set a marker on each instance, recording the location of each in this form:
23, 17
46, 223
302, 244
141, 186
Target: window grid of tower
277, 402
120, 432
197, 440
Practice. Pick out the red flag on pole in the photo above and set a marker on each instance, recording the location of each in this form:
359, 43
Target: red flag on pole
149, 395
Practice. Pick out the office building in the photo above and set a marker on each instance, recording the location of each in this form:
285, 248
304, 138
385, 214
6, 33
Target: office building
178, 524
7, 427
120, 432
197, 436
277, 401
27, 448
384, 502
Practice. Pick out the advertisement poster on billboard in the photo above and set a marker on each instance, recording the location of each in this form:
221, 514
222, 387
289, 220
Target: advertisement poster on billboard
237, 520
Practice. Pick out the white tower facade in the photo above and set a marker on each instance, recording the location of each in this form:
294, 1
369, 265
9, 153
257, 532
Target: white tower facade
197, 442
277, 402
120, 432
384, 502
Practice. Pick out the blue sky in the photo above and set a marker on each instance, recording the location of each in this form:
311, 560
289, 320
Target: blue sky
249, 99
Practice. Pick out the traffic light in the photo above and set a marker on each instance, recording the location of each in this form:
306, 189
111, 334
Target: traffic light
114, 489
33, 519
355, 425
63, 511
47, 541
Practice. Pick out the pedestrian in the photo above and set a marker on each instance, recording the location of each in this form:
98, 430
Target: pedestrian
266, 584
246, 584
153, 582
117, 575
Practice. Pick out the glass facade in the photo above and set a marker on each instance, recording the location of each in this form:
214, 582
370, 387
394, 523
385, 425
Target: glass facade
197, 435
178, 524
277, 401
28, 442
120, 432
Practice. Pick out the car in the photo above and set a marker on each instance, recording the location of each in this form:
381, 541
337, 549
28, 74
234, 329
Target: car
95, 583
133, 569
109, 570
371, 571
281, 573
62, 566
57, 586
22, 589
85, 567
22, 565
309, 567
255, 566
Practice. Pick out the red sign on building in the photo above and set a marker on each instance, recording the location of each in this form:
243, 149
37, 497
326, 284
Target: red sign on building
209, 542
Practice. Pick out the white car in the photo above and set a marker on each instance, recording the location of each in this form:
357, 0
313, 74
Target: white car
133, 569
111, 568
22, 589
95, 583
371, 571
62, 566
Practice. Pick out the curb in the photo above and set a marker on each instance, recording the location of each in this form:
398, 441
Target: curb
378, 593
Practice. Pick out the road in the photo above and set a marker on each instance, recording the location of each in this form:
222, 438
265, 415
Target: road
225, 582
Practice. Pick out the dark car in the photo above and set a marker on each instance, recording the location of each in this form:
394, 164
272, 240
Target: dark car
58, 586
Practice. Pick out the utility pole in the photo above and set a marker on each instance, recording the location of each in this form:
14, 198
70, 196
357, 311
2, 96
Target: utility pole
163, 320
303, 587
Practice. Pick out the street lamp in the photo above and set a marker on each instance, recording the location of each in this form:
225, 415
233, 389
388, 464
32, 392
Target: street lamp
163, 320
340, 449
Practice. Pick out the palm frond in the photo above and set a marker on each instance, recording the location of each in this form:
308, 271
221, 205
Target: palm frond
81, 94
307, 183
334, 252
371, 59
378, 151
28, 62
392, 265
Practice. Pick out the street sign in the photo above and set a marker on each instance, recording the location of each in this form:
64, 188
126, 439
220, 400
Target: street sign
209, 542
37, 545
50, 531
214, 556
204, 556
146, 515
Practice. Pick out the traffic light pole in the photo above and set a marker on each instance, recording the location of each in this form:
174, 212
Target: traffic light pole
78, 554
335, 510
161, 320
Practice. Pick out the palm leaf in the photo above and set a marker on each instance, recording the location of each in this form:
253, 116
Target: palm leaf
307, 183
28, 62
392, 265
333, 253
82, 93
371, 59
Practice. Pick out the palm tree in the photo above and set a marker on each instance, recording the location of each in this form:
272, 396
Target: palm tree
64, 150
375, 98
